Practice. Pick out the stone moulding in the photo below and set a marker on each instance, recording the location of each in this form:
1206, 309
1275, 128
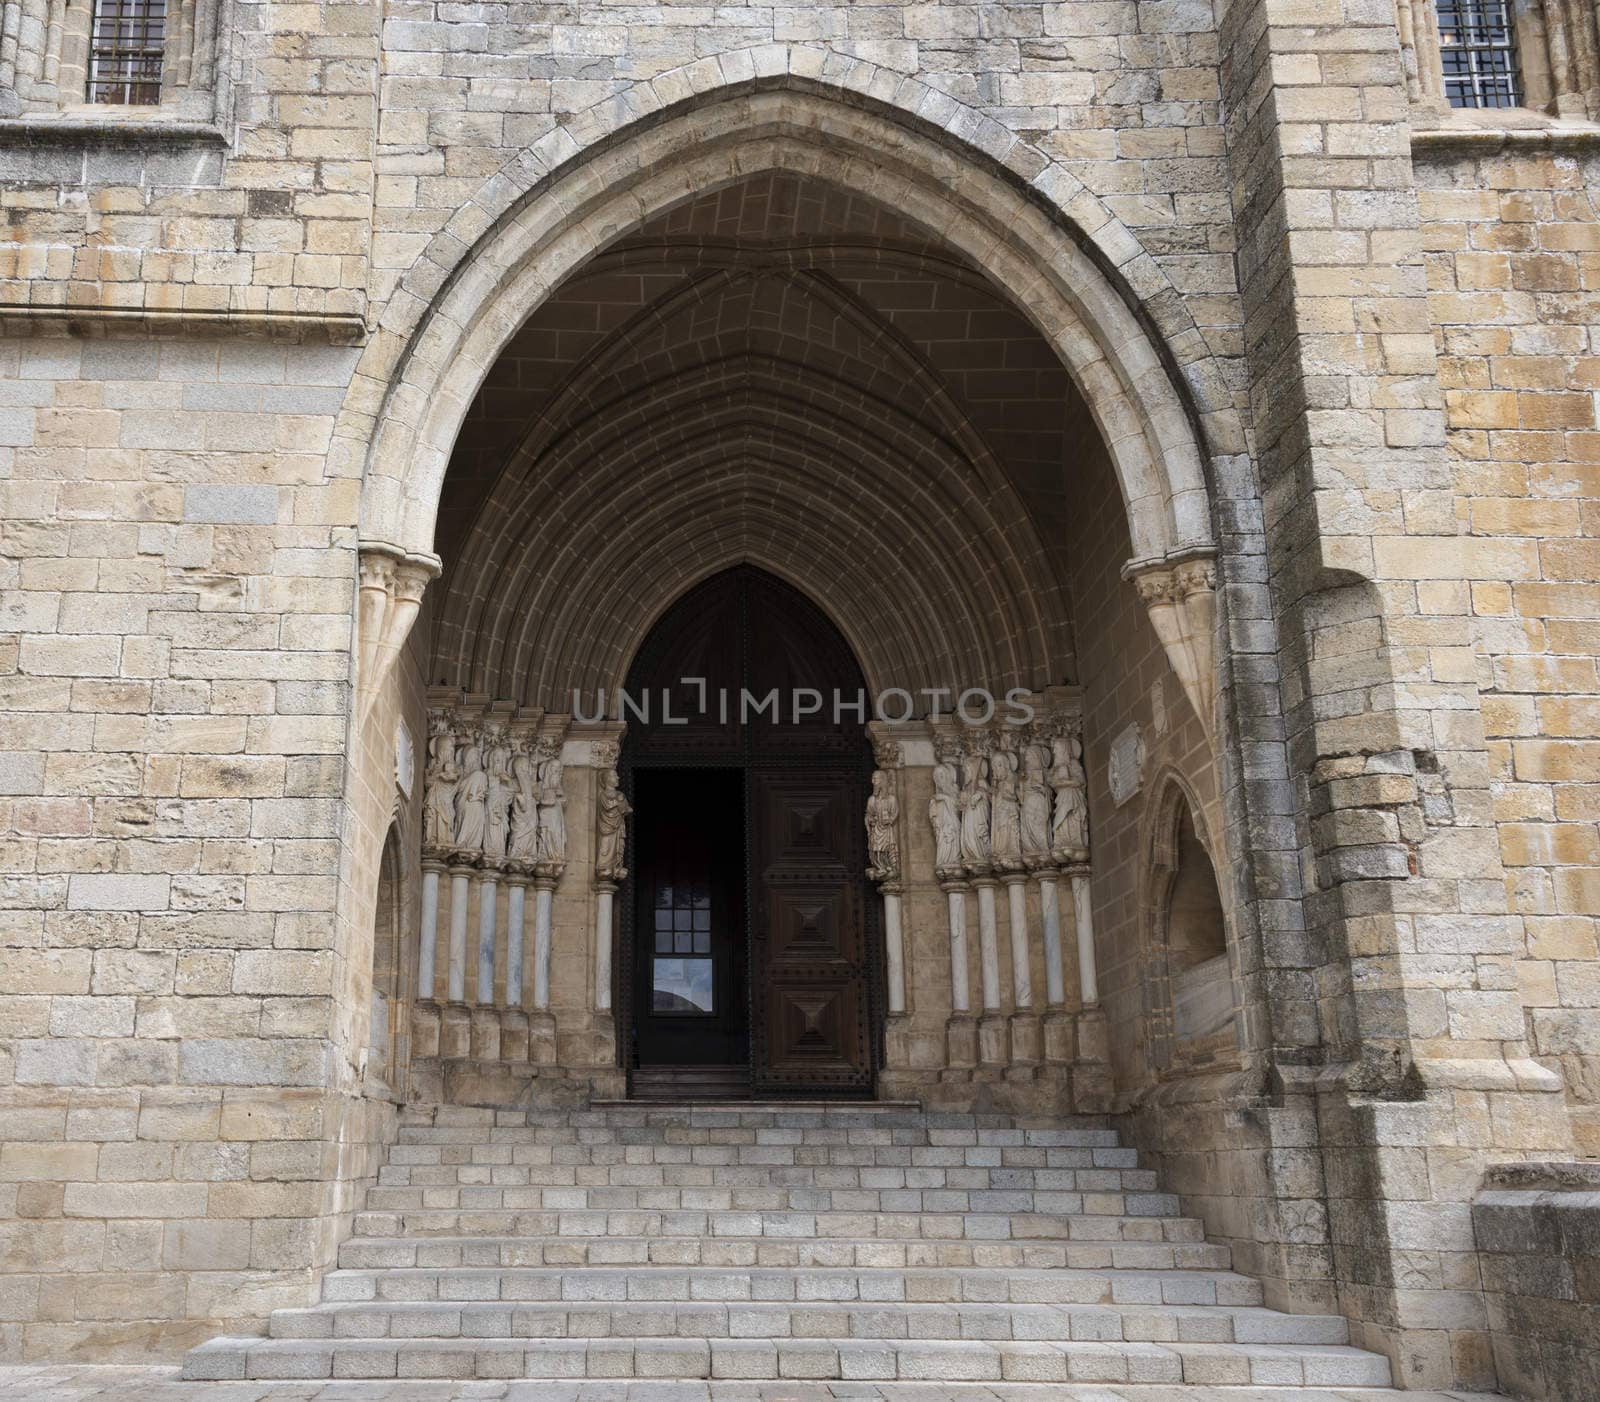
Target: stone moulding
389, 598
1180, 595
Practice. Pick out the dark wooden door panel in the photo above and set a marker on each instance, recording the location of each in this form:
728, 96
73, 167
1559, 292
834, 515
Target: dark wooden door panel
809, 964
804, 826
815, 1029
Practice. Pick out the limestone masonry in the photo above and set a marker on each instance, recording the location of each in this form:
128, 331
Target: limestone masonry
397, 395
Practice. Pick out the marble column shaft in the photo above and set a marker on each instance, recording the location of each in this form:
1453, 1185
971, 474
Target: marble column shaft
1050, 908
457, 969
960, 992
428, 939
516, 908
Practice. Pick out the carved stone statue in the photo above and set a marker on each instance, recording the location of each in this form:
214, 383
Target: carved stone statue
944, 813
524, 845
611, 824
471, 802
497, 817
1005, 836
441, 780
883, 828
1035, 799
1070, 835
552, 813
976, 850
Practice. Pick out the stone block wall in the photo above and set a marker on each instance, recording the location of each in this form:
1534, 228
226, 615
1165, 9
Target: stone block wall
181, 1122
1538, 1229
1513, 250
190, 860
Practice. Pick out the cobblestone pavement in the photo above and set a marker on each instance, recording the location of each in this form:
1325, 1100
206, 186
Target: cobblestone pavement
140, 1384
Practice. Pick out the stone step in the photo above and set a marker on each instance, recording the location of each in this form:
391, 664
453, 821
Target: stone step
1109, 1201
1063, 1169
455, 1252
623, 1115
757, 1136
915, 1285
1109, 1225
701, 1319
1213, 1364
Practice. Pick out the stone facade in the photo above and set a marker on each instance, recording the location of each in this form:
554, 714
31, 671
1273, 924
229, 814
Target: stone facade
1186, 364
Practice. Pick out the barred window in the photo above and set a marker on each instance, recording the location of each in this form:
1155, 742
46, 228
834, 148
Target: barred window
126, 42
1478, 47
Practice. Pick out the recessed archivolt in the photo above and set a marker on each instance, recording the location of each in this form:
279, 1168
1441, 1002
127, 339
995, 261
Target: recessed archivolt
822, 117
690, 441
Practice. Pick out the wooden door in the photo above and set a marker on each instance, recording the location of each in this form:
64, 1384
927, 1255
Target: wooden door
800, 1008
810, 1031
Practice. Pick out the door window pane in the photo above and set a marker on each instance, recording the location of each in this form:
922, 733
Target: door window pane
683, 986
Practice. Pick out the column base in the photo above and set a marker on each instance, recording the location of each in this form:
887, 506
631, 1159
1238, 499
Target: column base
513, 1035
485, 1044
992, 1040
541, 1039
455, 1031
604, 1040
961, 1042
1027, 1039
1060, 1029
424, 1029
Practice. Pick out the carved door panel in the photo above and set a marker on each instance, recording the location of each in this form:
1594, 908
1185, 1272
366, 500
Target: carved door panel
809, 962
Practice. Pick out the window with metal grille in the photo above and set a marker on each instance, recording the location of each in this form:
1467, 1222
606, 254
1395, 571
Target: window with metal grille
126, 41
1478, 47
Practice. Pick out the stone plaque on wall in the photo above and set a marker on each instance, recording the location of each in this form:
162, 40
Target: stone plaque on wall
1125, 770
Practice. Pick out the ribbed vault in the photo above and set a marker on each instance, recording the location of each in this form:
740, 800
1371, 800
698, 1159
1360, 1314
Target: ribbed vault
760, 377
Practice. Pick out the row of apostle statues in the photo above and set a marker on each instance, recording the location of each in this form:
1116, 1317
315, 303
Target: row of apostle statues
493, 798
1009, 799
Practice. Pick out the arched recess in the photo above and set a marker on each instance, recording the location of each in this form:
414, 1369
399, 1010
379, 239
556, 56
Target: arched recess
1191, 988
838, 460
962, 177
386, 1051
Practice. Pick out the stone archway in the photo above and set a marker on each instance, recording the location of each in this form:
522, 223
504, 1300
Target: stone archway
539, 222
908, 527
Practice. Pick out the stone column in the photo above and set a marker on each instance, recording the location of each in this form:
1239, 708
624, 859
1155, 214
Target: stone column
1055, 991
894, 949
513, 1018
516, 918
1025, 1044
961, 1032
456, 987
605, 892
992, 1025
485, 1016
541, 1024
1083, 910
1060, 1035
488, 919
428, 938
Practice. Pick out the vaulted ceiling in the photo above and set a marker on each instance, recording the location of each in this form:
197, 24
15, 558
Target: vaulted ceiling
775, 373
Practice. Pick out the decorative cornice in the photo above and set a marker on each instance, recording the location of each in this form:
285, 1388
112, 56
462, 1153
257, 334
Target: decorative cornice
335, 328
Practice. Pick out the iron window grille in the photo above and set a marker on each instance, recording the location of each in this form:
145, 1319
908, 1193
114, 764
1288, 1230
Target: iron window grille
127, 39
1478, 48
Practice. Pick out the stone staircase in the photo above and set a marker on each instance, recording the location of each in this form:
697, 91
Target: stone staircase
861, 1242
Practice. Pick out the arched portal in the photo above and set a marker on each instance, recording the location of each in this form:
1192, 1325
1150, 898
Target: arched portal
778, 385
745, 936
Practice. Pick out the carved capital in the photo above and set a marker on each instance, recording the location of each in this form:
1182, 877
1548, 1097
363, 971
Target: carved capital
390, 585
1180, 597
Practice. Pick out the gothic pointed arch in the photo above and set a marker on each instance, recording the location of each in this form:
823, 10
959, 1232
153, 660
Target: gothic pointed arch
1094, 294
